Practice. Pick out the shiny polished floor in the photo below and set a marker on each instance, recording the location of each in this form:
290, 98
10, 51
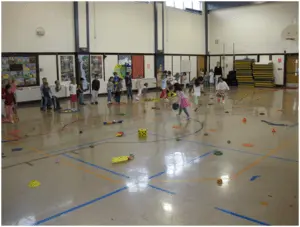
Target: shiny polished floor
173, 178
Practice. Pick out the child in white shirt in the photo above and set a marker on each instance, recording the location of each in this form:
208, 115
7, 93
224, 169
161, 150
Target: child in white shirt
211, 78
55, 91
73, 94
197, 93
139, 87
221, 88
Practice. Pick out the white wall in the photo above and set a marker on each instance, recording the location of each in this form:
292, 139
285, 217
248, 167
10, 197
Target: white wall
184, 32
121, 27
252, 29
21, 19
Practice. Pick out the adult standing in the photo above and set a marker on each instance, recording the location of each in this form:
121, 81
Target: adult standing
218, 73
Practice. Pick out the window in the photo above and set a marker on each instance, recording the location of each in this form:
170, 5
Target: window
188, 4
185, 4
170, 3
179, 4
197, 5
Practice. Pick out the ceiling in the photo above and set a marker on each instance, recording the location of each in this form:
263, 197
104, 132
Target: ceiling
223, 5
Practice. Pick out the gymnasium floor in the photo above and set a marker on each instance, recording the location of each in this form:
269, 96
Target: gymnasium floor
173, 178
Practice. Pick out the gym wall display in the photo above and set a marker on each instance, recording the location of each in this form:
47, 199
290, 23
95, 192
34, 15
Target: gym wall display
125, 60
22, 69
97, 66
66, 68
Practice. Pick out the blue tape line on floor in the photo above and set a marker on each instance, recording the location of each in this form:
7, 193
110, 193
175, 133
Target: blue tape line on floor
278, 124
242, 216
194, 159
232, 149
79, 206
96, 166
157, 175
254, 177
161, 189
199, 157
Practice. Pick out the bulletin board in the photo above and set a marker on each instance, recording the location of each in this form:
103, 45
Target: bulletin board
21, 68
126, 61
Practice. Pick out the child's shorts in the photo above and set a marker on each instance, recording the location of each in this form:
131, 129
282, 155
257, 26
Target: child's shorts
220, 94
73, 98
196, 99
163, 93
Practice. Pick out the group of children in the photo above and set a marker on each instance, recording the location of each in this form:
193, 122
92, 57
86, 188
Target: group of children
115, 86
169, 85
50, 96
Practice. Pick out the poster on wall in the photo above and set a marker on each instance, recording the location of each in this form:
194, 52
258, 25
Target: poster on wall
66, 68
85, 71
125, 60
97, 66
160, 63
22, 69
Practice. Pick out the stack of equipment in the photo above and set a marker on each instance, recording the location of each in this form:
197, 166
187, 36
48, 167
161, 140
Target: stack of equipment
263, 75
244, 72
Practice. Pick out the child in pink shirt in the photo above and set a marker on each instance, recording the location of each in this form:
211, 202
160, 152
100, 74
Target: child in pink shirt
182, 100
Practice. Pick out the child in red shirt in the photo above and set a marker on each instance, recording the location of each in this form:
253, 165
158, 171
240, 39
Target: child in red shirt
9, 102
3, 100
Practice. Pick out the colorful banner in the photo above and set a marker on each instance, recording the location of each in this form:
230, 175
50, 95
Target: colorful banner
66, 68
21, 69
97, 66
120, 70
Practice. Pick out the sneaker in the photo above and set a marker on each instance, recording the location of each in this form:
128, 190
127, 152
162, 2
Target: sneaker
188, 118
92, 103
96, 103
196, 109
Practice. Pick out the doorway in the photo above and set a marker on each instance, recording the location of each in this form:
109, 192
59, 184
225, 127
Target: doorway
200, 64
292, 73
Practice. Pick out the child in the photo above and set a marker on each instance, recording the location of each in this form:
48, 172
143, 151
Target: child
182, 100
206, 80
55, 92
184, 81
4, 83
73, 95
80, 92
191, 85
144, 95
197, 93
201, 80
47, 96
139, 87
128, 83
44, 80
145, 90
221, 88
9, 102
163, 93
95, 90
110, 88
118, 90
211, 78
